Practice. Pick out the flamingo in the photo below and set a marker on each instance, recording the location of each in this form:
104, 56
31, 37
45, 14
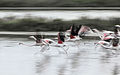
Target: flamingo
39, 41
51, 43
109, 39
73, 32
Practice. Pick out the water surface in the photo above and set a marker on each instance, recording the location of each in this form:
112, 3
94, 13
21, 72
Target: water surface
82, 59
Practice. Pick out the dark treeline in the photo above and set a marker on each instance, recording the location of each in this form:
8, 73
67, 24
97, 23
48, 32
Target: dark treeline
41, 24
62, 3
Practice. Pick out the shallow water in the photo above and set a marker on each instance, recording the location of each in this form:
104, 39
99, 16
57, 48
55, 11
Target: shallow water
83, 58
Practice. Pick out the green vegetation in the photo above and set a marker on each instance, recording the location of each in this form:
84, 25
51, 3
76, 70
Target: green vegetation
43, 24
52, 3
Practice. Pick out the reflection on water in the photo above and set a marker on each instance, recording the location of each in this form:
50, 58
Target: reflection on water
84, 59
42, 65
115, 70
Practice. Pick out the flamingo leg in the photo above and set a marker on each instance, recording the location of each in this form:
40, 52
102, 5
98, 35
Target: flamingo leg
64, 50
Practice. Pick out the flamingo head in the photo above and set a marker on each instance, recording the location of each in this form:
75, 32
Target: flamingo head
32, 37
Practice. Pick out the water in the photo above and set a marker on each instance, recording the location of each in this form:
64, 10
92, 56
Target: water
62, 14
82, 59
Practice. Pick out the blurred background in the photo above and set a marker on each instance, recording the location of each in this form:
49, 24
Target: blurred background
59, 3
46, 17
54, 20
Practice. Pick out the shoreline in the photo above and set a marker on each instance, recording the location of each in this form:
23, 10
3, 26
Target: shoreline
59, 8
45, 34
